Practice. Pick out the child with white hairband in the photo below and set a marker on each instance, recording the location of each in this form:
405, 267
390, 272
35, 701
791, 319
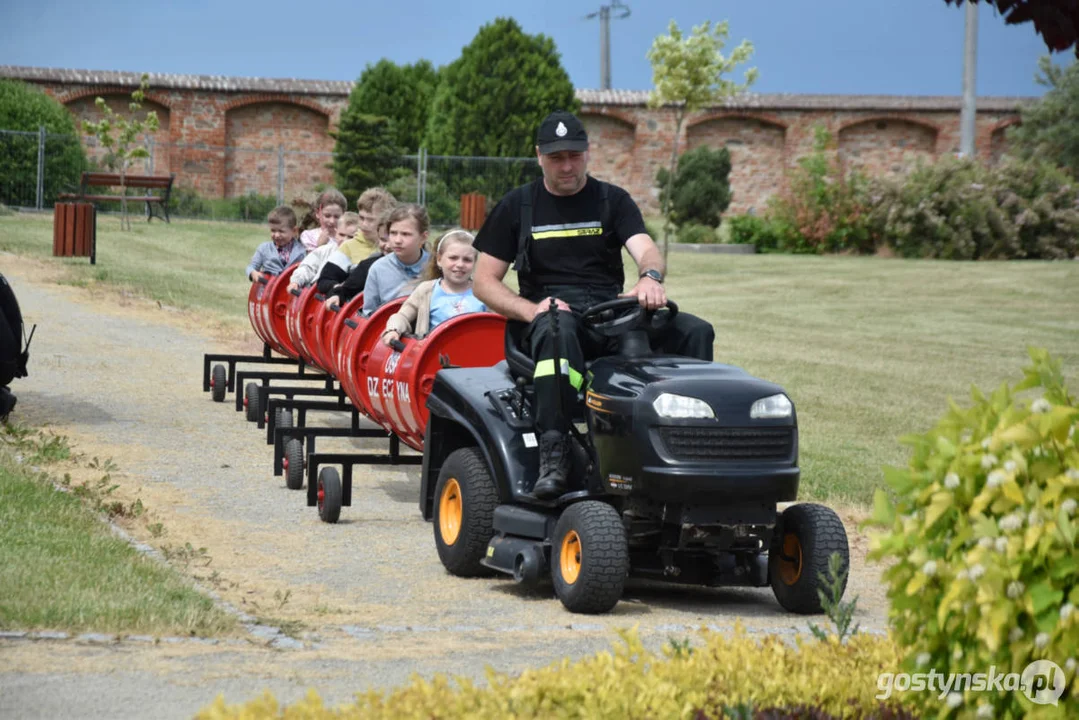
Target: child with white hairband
445, 293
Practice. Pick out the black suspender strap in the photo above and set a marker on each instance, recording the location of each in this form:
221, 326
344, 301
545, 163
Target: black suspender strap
524, 234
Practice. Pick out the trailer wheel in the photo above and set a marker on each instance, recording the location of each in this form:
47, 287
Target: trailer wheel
589, 557
251, 402
218, 383
283, 419
806, 536
294, 464
465, 501
329, 495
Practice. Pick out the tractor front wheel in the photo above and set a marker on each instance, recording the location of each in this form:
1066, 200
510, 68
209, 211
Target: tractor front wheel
806, 537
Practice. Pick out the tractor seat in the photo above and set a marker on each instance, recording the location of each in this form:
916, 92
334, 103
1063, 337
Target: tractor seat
521, 365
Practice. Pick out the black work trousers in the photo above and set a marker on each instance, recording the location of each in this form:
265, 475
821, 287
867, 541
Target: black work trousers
546, 337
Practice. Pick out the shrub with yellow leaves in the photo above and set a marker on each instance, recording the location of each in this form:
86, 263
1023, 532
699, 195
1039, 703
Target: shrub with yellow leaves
726, 675
980, 535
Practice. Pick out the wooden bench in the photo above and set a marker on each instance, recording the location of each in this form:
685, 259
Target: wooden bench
146, 182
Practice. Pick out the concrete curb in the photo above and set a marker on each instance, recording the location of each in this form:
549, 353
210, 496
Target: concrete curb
723, 249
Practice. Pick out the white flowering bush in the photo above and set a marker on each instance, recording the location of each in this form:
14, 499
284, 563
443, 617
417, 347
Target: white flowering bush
979, 533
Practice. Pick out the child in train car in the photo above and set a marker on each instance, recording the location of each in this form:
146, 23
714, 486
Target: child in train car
445, 293
348, 226
397, 274
373, 204
281, 250
352, 286
329, 207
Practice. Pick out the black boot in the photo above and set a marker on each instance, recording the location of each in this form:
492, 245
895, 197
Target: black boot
7, 403
553, 466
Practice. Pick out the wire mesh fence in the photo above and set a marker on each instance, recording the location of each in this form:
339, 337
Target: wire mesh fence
245, 183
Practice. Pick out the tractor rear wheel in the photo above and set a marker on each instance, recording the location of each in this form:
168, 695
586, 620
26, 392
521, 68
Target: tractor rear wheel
465, 502
589, 557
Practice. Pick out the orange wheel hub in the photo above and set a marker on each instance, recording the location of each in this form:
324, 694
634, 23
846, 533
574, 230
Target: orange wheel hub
569, 557
450, 512
790, 562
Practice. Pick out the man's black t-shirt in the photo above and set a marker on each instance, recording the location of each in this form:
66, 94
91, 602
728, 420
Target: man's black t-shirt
569, 246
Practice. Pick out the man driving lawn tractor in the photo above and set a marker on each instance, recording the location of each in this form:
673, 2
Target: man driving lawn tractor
684, 461
564, 235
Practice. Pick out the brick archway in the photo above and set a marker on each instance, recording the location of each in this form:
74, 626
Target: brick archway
275, 98
255, 129
761, 118
103, 90
886, 144
757, 144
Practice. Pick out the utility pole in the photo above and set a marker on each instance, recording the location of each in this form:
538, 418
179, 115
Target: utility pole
970, 61
604, 15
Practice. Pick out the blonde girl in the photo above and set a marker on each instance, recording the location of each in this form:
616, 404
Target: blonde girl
445, 293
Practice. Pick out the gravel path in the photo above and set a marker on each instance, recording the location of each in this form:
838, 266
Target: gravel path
122, 378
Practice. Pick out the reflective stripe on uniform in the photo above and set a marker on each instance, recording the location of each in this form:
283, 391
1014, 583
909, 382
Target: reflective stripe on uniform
546, 232
545, 368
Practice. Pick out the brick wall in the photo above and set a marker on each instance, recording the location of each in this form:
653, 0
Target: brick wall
633, 142
766, 134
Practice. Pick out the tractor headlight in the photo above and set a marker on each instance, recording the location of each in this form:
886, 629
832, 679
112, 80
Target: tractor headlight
679, 406
773, 406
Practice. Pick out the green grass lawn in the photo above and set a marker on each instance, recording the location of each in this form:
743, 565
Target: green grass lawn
62, 569
868, 348
190, 264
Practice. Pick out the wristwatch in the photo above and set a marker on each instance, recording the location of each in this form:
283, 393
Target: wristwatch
654, 274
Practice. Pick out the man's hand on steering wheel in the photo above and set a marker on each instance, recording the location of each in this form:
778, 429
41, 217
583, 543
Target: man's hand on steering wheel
649, 292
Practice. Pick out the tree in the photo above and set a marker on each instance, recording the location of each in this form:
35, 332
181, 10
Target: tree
1050, 127
366, 153
701, 191
688, 74
402, 93
27, 109
117, 134
1057, 21
493, 97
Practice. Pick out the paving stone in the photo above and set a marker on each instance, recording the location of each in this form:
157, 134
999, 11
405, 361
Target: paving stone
393, 628
586, 627
49, 635
286, 643
141, 638
360, 633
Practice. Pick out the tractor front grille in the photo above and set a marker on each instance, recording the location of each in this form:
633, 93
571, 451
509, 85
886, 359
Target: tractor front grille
712, 443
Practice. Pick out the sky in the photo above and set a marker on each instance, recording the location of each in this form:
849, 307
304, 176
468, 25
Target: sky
891, 47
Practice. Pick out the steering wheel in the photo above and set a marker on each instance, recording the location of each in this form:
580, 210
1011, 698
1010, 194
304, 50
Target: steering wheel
617, 317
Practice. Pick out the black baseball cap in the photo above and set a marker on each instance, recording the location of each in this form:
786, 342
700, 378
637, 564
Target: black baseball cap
561, 130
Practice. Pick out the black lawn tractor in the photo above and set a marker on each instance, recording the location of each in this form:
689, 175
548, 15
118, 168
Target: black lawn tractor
676, 475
